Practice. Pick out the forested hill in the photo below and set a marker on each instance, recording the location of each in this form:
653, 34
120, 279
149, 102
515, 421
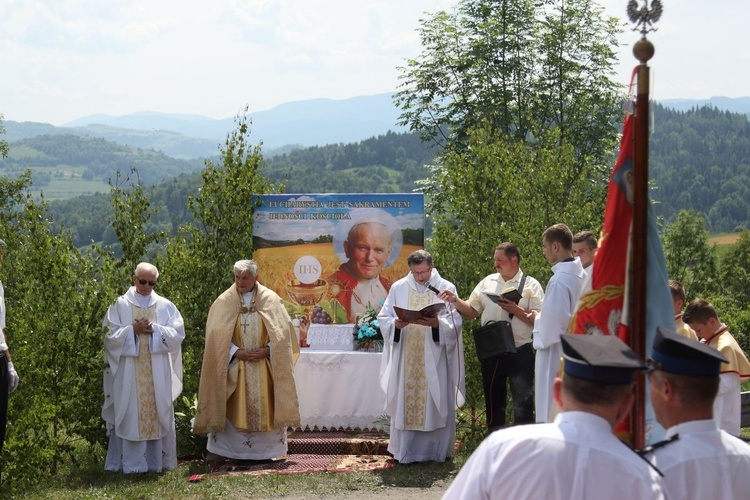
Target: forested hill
89, 159
389, 163
700, 160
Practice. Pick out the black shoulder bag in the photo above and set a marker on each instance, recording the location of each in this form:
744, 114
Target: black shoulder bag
495, 337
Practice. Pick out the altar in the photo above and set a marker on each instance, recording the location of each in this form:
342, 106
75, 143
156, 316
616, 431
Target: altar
338, 388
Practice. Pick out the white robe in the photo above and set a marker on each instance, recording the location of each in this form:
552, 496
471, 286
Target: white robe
128, 450
704, 462
3, 344
560, 299
728, 404
576, 457
428, 432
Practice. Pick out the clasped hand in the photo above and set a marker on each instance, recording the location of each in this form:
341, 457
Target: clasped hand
142, 326
253, 355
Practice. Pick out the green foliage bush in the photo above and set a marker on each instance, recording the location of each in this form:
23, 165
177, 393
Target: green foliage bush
56, 298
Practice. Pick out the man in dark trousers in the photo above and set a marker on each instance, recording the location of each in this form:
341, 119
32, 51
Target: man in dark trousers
8, 375
515, 369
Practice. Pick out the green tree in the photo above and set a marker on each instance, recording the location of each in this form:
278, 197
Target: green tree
481, 197
55, 301
575, 91
521, 96
690, 259
520, 68
4, 147
475, 67
733, 299
131, 211
734, 270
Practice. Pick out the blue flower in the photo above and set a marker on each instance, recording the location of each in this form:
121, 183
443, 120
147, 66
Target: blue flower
367, 329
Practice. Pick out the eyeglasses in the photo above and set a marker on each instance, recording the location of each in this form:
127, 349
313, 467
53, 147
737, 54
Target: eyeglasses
422, 273
143, 282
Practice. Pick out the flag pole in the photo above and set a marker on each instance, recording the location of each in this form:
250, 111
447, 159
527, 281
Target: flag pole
643, 50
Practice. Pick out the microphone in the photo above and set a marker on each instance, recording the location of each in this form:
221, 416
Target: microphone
431, 288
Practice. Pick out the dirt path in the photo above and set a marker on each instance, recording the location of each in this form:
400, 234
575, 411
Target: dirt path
433, 493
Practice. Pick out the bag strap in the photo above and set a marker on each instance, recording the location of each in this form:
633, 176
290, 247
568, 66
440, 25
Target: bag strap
520, 289
523, 282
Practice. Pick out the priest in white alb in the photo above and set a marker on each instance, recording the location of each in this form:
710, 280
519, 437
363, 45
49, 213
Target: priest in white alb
143, 377
422, 368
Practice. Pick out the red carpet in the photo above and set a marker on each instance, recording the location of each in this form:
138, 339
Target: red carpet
335, 451
300, 464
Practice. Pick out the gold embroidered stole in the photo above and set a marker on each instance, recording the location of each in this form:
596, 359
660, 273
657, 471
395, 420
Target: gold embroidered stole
250, 407
148, 419
415, 376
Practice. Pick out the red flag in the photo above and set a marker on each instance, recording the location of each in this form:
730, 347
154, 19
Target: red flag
601, 310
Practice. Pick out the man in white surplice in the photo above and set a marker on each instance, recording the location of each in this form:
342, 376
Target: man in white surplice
422, 368
143, 377
560, 300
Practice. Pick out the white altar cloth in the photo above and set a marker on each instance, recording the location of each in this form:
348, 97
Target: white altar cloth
331, 337
339, 389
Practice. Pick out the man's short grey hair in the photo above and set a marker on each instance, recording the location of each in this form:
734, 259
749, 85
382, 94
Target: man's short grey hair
145, 266
246, 266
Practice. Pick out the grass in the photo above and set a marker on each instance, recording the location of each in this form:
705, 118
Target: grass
92, 482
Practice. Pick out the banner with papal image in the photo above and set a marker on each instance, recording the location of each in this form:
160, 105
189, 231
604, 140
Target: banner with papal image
331, 257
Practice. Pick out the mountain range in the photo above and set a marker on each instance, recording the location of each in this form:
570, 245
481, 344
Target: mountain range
293, 124
289, 125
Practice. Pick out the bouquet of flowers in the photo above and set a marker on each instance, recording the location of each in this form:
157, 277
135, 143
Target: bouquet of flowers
367, 334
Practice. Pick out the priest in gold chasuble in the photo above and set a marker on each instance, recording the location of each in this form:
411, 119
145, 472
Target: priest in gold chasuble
142, 378
422, 368
247, 396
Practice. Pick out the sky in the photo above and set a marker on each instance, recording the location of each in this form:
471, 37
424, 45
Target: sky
65, 59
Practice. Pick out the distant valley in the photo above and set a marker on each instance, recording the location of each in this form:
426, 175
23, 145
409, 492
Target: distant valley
700, 157
291, 125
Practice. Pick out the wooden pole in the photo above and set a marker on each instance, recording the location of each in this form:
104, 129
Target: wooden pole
643, 51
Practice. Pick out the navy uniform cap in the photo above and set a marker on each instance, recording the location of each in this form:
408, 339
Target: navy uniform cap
674, 353
600, 358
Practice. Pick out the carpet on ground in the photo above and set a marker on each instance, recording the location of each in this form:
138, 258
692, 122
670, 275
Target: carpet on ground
315, 451
299, 464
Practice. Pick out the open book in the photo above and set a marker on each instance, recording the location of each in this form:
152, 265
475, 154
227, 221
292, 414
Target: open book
510, 294
426, 312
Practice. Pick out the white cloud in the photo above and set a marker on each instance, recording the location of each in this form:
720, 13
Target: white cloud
69, 58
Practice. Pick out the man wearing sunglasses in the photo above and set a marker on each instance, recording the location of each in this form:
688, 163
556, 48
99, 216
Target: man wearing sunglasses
143, 377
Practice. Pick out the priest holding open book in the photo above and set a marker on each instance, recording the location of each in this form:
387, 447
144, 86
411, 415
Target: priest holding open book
422, 368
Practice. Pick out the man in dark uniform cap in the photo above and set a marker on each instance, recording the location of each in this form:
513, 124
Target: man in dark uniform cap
698, 459
577, 455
